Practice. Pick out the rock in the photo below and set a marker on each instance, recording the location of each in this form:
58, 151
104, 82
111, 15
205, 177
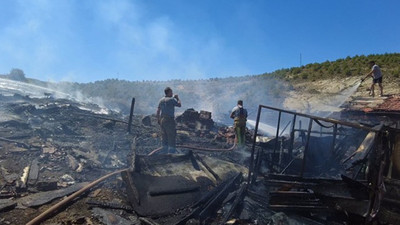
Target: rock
146, 120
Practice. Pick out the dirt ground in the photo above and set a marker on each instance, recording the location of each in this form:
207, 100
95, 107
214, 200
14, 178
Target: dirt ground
317, 97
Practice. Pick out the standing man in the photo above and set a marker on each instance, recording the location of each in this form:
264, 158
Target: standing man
239, 116
166, 119
376, 75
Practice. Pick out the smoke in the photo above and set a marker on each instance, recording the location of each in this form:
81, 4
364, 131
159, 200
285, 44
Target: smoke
323, 97
12, 86
336, 101
330, 103
219, 96
266, 129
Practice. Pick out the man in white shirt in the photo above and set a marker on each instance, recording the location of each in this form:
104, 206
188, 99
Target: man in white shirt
376, 75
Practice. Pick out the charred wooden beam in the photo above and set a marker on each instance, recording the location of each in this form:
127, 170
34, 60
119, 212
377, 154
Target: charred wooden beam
111, 205
209, 169
303, 166
131, 115
68, 199
251, 166
319, 132
261, 200
206, 202
33, 172
328, 120
363, 150
132, 156
281, 177
291, 193
299, 207
239, 198
295, 201
213, 205
132, 192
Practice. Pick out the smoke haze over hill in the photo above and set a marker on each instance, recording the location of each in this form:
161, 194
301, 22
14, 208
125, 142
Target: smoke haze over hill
310, 89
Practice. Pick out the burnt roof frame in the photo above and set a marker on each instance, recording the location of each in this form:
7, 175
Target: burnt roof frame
253, 167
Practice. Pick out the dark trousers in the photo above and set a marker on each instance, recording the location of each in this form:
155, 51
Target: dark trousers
168, 134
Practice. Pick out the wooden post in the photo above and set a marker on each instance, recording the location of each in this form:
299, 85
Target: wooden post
131, 115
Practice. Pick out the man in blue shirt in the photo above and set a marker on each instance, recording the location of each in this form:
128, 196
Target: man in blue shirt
239, 116
376, 75
166, 119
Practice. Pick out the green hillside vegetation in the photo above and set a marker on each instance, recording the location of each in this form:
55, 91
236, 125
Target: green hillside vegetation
350, 66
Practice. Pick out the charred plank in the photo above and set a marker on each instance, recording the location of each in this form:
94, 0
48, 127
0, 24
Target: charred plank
111, 205
42, 198
33, 172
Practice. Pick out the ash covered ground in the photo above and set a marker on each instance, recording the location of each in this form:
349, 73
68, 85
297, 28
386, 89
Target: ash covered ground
49, 144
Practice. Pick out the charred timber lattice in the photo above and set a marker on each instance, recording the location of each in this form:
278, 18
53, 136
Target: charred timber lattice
253, 166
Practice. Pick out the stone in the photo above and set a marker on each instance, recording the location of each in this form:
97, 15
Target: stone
146, 120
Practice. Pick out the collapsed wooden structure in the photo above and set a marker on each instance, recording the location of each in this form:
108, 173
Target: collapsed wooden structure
328, 170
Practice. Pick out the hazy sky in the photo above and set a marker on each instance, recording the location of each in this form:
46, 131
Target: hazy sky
89, 40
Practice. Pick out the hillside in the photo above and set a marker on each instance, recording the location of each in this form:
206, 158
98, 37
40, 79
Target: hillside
317, 87
311, 88
342, 68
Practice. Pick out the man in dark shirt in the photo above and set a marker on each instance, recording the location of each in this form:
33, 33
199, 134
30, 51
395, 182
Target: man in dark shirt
166, 119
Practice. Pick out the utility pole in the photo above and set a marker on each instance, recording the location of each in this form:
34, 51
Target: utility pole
300, 60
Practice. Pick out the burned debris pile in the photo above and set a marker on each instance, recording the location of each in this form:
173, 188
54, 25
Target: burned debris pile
50, 148
331, 172
325, 172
